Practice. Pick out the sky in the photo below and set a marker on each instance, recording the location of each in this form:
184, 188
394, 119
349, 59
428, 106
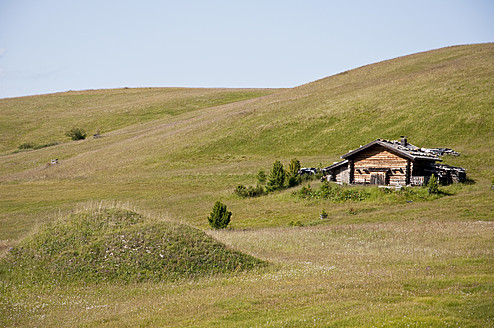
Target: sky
51, 46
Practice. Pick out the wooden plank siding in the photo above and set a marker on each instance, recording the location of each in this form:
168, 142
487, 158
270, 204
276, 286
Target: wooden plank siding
342, 174
377, 164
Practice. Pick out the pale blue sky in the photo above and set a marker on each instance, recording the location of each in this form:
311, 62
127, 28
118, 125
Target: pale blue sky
58, 45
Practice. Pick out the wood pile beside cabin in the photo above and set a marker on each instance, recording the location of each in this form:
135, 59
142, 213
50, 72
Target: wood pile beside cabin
392, 162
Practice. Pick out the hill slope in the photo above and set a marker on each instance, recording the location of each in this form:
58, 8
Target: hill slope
184, 162
371, 263
45, 118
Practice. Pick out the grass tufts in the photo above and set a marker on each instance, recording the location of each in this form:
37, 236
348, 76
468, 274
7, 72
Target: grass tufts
119, 245
340, 194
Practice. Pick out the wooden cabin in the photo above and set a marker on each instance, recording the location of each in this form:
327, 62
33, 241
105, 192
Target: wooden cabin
386, 162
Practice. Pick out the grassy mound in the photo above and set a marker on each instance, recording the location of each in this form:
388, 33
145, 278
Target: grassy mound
119, 245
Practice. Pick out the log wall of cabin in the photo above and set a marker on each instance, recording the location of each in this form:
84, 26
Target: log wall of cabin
342, 174
380, 157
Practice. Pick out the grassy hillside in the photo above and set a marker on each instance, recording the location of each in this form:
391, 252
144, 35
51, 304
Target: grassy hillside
45, 118
185, 162
438, 98
174, 152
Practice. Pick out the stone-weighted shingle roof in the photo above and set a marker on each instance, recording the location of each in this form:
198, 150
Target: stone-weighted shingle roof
406, 150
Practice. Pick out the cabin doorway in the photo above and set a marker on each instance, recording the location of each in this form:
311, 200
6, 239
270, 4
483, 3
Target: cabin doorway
379, 177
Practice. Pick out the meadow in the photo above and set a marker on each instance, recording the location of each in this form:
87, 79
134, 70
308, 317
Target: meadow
169, 154
397, 274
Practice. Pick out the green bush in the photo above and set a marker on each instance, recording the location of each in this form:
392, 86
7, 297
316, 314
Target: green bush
293, 180
76, 134
220, 217
296, 223
278, 179
27, 145
53, 143
33, 146
261, 177
333, 192
250, 191
305, 191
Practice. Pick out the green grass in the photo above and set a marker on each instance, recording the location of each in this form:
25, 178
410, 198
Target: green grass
174, 152
421, 273
103, 110
118, 245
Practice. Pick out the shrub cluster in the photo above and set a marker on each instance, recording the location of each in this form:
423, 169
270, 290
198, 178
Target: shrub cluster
333, 192
295, 224
76, 134
250, 191
337, 193
27, 145
414, 193
278, 179
32, 145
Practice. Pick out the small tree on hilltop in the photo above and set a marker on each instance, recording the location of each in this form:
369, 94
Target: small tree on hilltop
220, 217
276, 179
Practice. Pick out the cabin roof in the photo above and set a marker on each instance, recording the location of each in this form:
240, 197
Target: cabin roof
335, 165
408, 151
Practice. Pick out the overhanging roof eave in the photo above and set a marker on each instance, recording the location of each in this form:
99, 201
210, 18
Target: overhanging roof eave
382, 144
394, 150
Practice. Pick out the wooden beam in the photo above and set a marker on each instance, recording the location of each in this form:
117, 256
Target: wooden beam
407, 173
351, 167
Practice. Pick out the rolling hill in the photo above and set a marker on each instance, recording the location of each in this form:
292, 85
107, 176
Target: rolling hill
179, 150
173, 152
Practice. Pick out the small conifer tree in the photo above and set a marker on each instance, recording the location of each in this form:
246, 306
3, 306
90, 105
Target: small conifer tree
276, 179
433, 185
261, 177
220, 217
294, 167
293, 177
